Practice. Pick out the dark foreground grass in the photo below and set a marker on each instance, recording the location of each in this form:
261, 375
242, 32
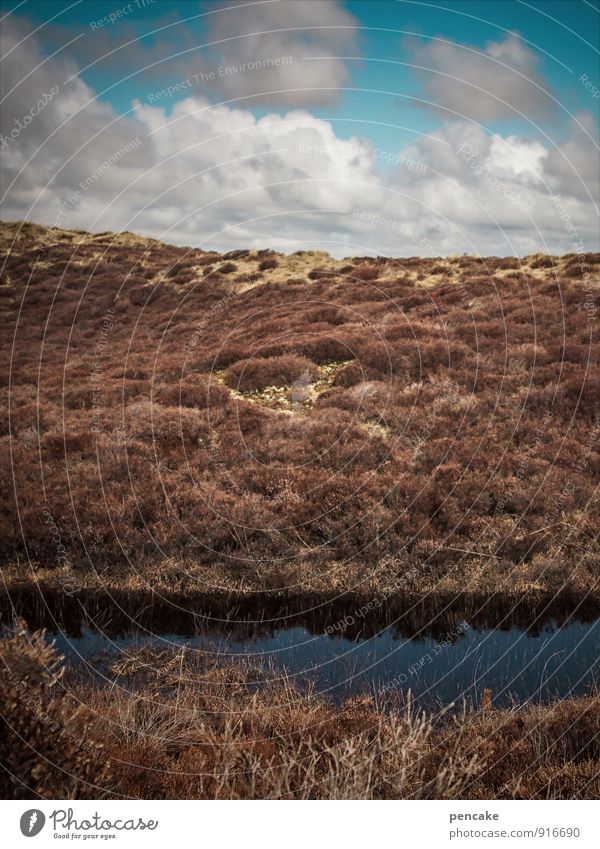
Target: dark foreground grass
176, 725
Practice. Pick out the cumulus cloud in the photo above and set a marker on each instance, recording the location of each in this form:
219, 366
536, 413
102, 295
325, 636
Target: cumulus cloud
150, 53
218, 176
62, 139
574, 166
497, 191
281, 53
501, 81
313, 34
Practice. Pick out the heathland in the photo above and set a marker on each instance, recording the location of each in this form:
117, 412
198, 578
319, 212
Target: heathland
250, 430
252, 421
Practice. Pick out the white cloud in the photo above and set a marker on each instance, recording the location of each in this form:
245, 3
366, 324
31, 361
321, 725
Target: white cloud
501, 81
517, 159
312, 33
574, 166
219, 177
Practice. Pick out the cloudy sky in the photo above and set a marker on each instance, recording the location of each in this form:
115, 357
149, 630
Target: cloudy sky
402, 128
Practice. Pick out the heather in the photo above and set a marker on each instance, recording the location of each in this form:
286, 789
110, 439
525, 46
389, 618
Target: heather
255, 421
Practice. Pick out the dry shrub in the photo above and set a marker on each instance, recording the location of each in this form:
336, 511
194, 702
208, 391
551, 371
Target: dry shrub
325, 313
366, 271
49, 745
349, 375
542, 262
536, 752
323, 349
193, 390
267, 264
206, 259
321, 273
152, 422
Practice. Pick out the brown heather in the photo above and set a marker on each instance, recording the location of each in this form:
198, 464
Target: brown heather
450, 424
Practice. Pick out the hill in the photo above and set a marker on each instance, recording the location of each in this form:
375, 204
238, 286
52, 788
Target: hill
254, 421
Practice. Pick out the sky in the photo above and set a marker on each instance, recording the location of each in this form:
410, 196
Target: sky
390, 127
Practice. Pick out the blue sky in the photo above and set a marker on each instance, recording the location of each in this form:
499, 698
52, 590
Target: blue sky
394, 74
544, 25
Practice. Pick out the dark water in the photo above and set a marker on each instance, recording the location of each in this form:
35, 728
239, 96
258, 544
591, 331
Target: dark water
442, 650
514, 664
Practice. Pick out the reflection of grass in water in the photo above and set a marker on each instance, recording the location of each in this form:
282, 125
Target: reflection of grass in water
44, 605
176, 724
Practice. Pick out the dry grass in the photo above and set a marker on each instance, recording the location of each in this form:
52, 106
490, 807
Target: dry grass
296, 421
176, 725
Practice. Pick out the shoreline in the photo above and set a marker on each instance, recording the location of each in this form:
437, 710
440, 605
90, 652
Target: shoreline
42, 605
197, 751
